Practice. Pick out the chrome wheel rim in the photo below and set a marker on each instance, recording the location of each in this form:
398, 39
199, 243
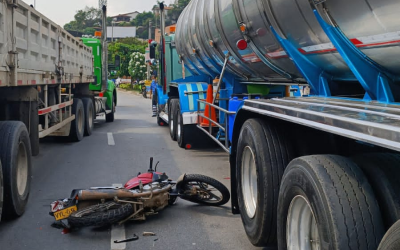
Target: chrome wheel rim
90, 114
301, 228
171, 123
178, 132
22, 169
204, 191
249, 182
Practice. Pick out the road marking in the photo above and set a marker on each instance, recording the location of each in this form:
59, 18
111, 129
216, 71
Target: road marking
111, 141
117, 232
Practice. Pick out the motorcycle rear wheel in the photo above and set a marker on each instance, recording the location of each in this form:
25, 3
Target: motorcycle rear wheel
100, 215
204, 190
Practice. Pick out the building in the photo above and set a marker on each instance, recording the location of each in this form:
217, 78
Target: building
127, 17
168, 30
120, 32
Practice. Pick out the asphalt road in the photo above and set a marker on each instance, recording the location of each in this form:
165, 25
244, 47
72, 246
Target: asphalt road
61, 167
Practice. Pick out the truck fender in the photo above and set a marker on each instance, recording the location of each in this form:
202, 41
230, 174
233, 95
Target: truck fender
161, 98
189, 93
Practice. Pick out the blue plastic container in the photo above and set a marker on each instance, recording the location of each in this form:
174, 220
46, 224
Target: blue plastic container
234, 104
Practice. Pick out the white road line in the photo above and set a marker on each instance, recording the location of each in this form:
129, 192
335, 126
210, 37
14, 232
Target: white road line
117, 232
111, 141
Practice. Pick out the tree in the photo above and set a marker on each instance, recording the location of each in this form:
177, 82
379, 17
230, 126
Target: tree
124, 48
143, 19
89, 31
87, 18
177, 9
137, 66
142, 23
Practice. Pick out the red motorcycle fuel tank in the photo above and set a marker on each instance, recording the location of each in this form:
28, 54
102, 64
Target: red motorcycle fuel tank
145, 178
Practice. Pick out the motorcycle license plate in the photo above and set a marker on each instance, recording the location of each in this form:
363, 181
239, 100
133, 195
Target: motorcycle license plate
65, 213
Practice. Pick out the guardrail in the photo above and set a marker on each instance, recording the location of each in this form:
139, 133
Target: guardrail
223, 127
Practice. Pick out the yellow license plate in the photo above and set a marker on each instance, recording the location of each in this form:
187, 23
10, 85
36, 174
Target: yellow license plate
65, 213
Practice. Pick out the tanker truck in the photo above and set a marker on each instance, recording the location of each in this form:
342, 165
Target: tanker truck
308, 110
51, 84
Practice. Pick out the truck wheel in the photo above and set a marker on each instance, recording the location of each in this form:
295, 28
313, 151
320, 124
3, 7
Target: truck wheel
262, 155
182, 131
391, 240
110, 116
383, 173
326, 202
16, 159
89, 115
173, 118
78, 125
1, 190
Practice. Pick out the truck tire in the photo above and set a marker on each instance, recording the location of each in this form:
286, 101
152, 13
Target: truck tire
383, 173
1, 190
391, 240
110, 116
262, 156
173, 118
183, 132
78, 125
89, 115
16, 159
327, 200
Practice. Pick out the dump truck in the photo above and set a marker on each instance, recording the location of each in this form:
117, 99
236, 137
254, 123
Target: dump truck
51, 84
308, 110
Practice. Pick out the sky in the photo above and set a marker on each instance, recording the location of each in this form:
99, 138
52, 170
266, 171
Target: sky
63, 11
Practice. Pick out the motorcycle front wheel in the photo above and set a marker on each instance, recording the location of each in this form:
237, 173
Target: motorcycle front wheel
204, 190
100, 215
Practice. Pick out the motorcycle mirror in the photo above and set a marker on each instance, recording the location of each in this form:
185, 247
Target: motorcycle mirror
155, 168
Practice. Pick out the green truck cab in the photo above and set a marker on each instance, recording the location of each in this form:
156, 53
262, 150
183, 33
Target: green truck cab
110, 92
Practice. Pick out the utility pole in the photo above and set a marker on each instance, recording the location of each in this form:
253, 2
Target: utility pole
163, 69
112, 31
104, 55
148, 64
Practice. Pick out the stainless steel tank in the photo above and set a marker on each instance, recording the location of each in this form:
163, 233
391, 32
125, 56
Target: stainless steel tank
209, 29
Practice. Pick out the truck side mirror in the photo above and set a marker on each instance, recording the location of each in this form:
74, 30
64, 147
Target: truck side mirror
153, 46
152, 52
117, 61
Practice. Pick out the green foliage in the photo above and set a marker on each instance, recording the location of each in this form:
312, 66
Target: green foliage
87, 18
89, 31
143, 19
134, 41
137, 87
126, 86
177, 9
124, 48
142, 23
137, 66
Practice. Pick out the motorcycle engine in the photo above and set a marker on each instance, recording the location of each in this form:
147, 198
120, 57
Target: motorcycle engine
158, 201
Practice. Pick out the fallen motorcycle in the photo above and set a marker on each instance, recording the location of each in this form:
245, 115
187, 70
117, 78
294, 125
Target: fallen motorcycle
144, 195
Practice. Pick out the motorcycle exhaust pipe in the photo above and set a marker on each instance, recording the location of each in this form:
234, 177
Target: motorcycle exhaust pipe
108, 194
